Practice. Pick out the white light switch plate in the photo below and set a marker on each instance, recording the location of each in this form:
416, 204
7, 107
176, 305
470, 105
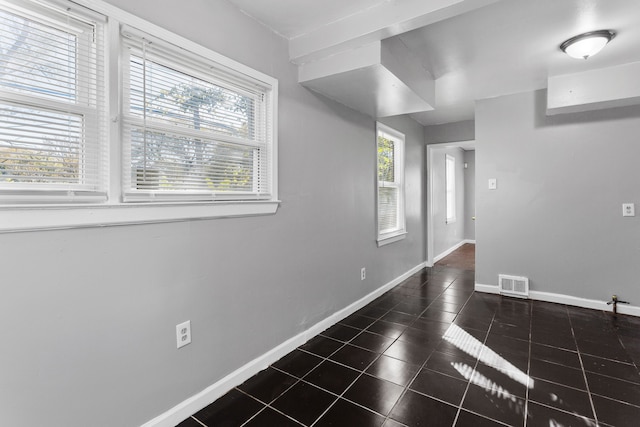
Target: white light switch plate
628, 209
493, 183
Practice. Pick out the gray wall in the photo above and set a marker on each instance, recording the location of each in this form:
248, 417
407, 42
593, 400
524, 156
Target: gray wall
470, 195
450, 132
88, 315
556, 216
445, 236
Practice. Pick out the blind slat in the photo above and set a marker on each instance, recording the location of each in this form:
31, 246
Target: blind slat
188, 129
390, 193
52, 109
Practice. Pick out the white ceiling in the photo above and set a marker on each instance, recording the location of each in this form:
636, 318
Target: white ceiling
506, 47
292, 18
512, 46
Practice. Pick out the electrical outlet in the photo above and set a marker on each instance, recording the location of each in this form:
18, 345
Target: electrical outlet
183, 333
628, 209
363, 273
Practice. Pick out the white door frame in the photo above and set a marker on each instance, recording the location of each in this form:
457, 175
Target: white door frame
430, 221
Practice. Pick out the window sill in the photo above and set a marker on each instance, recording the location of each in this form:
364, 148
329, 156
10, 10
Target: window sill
391, 238
33, 218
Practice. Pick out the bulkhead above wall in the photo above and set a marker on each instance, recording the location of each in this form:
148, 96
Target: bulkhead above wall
381, 79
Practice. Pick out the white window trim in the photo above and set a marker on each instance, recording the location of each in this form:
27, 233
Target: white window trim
88, 106
452, 159
31, 218
399, 234
15, 218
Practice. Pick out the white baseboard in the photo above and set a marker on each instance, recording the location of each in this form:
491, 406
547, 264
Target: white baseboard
451, 249
487, 289
631, 310
448, 251
195, 403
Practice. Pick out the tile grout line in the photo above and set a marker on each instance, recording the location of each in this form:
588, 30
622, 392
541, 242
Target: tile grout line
529, 380
361, 373
455, 419
334, 394
584, 374
406, 387
327, 358
422, 366
268, 405
346, 389
477, 357
633, 362
198, 421
402, 301
298, 379
275, 410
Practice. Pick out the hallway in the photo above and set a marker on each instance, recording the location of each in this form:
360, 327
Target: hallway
463, 258
433, 352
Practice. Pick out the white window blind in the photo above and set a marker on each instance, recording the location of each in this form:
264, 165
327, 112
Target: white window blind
388, 190
192, 129
390, 155
450, 178
52, 108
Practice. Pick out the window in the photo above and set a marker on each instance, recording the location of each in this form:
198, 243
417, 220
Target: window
192, 133
450, 178
391, 220
52, 106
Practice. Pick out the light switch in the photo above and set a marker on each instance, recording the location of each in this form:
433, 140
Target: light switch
628, 209
493, 183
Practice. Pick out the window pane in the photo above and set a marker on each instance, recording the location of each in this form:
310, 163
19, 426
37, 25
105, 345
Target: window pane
161, 161
37, 59
178, 99
450, 178
390, 164
388, 209
51, 107
39, 146
190, 130
386, 162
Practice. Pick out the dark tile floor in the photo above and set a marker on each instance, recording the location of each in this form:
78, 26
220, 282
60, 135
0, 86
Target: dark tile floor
431, 352
463, 258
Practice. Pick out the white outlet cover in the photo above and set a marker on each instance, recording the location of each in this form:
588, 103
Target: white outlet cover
183, 334
628, 209
493, 183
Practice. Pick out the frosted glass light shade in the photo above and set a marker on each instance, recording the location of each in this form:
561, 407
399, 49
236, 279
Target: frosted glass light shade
588, 44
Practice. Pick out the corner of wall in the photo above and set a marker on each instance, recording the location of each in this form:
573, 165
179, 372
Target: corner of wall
199, 401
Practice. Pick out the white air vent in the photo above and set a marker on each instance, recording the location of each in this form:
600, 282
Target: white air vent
514, 286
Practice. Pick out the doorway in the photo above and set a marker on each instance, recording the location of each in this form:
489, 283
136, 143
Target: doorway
446, 232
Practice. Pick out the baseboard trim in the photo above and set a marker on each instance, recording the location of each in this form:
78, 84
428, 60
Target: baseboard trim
199, 401
448, 251
630, 310
487, 289
471, 242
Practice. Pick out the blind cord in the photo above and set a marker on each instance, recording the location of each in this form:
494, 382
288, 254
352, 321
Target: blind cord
144, 110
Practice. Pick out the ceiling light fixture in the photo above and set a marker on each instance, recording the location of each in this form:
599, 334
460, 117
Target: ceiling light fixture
588, 44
